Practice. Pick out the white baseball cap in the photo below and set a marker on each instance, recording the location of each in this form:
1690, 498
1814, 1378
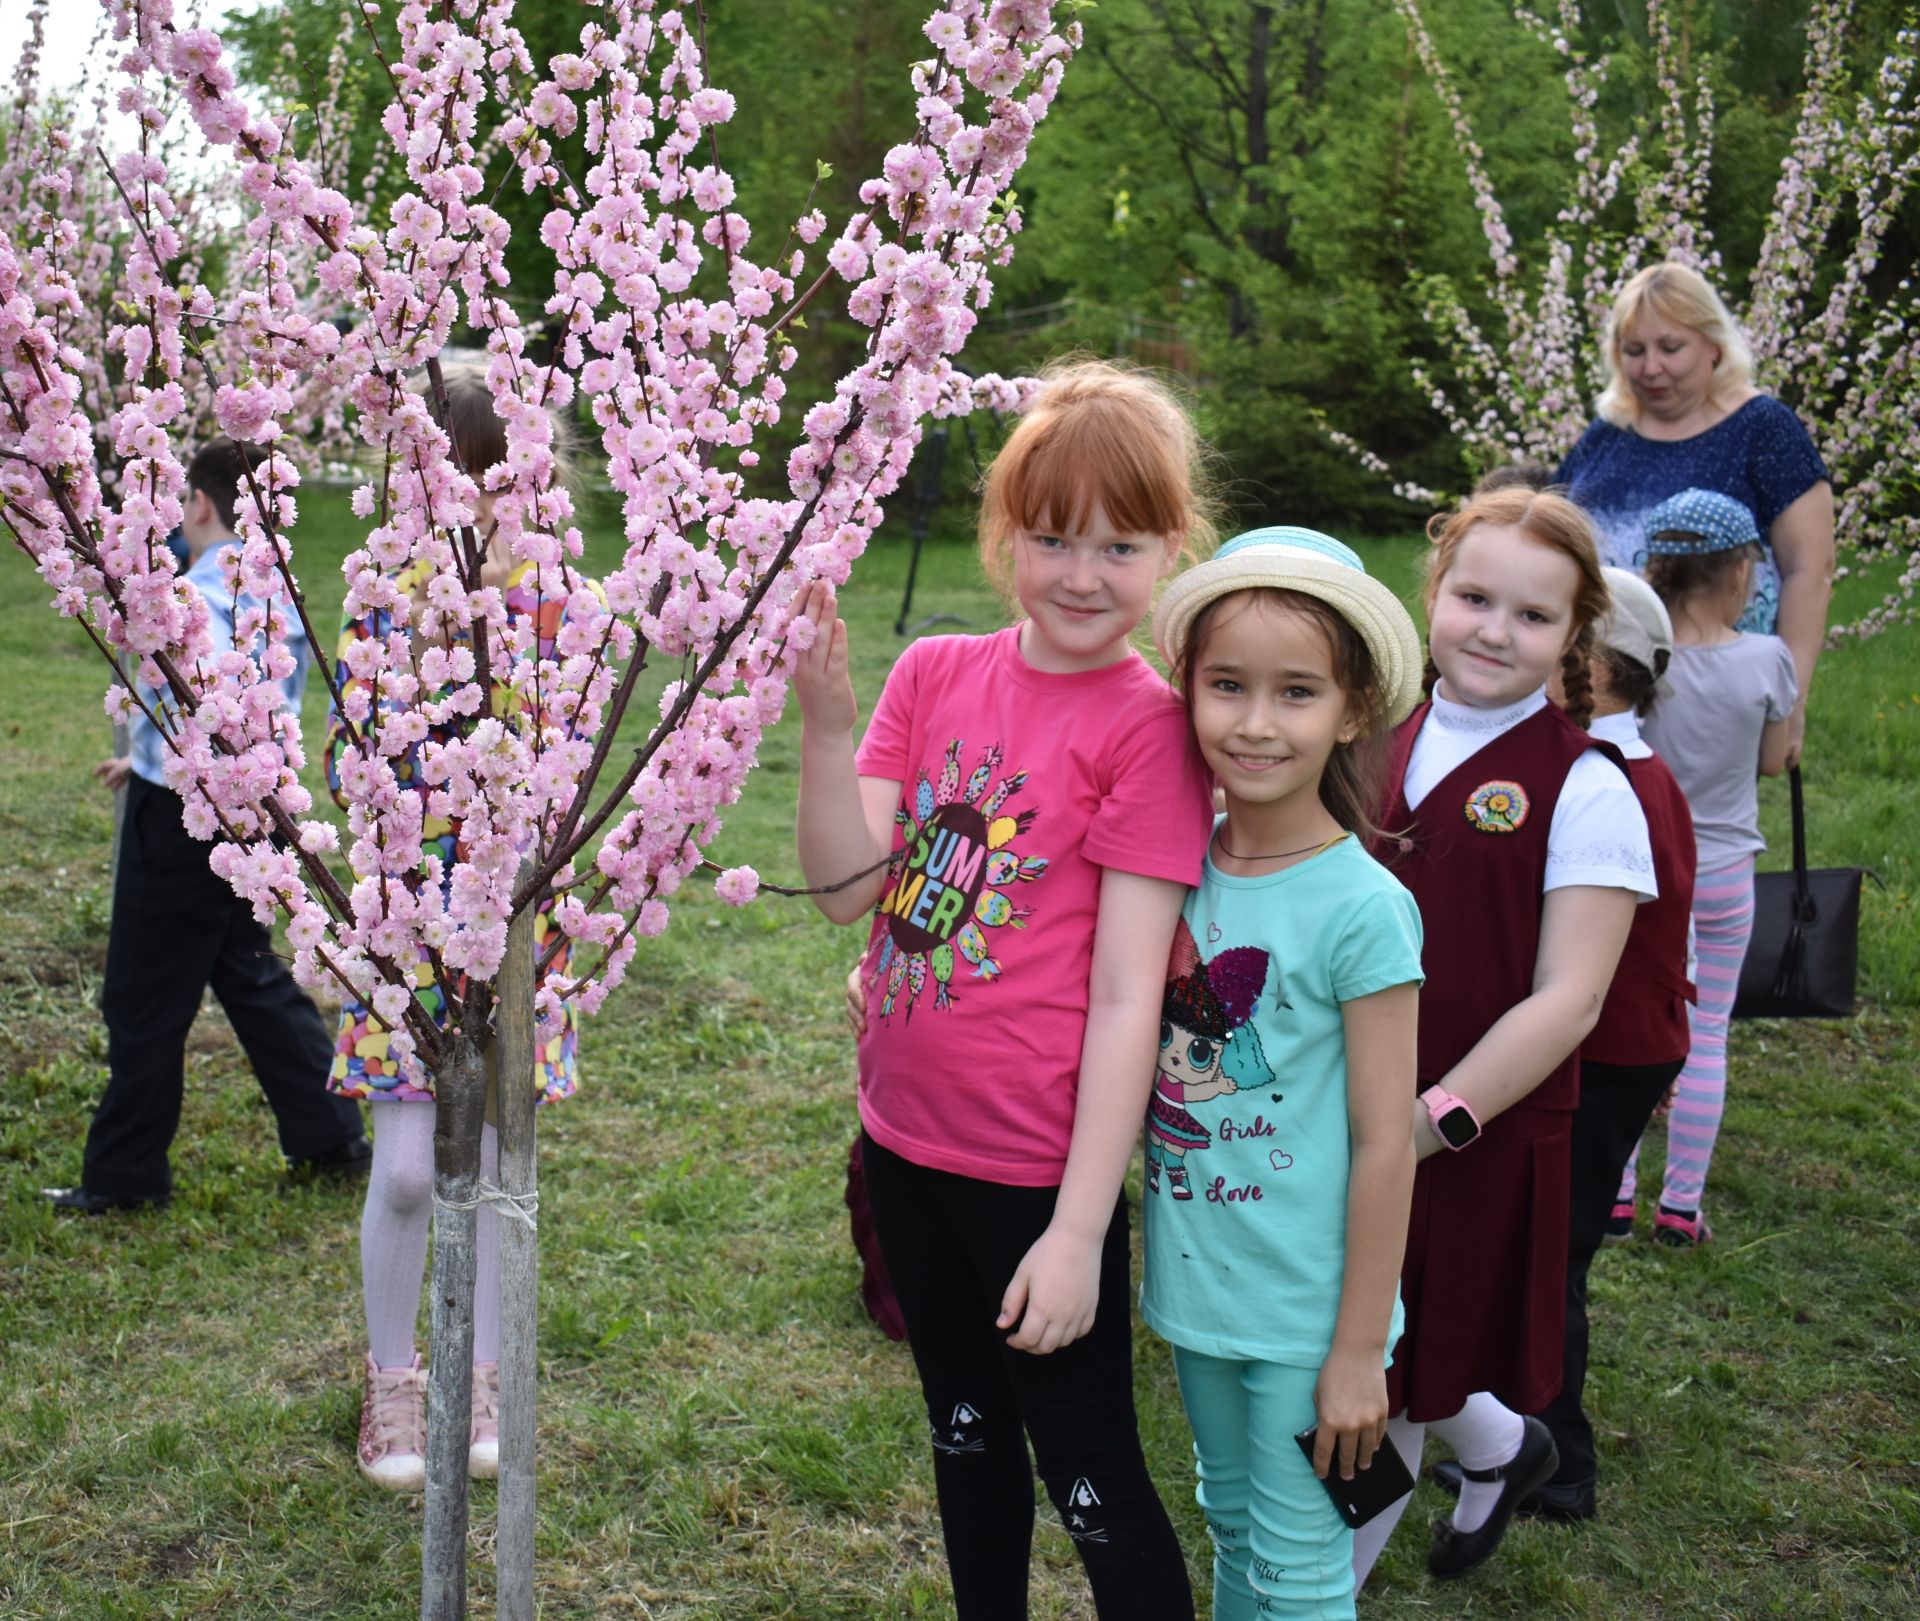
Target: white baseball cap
1638, 625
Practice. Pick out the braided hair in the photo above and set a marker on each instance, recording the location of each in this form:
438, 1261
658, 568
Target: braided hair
1576, 685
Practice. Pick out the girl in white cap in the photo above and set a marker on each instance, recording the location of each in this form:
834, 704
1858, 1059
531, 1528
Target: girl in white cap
1279, 1150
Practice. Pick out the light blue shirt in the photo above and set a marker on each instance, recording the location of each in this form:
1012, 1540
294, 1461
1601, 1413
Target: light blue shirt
149, 749
1250, 1266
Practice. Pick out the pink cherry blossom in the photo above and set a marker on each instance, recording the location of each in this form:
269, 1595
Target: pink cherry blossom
470, 700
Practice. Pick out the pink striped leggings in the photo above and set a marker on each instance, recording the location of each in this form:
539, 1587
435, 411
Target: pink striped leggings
1722, 921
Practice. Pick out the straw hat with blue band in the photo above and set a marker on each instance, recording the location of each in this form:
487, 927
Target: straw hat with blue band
1288, 558
1696, 521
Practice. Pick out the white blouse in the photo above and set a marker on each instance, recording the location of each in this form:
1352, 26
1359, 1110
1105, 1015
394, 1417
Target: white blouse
1599, 832
1623, 732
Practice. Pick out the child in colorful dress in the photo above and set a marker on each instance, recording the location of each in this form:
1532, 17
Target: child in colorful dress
1522, 840
1289, 1020
1733, 697
395, 1222
1046, 811
1628, 1064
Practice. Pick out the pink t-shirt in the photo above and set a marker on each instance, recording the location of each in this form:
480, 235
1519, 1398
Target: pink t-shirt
1017, 789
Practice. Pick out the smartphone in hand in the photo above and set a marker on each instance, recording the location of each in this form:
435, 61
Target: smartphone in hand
1372, 1490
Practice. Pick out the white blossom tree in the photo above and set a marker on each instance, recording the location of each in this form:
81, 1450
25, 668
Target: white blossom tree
1522, 348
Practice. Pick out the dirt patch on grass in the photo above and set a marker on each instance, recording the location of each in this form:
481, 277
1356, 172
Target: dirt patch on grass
175, 1560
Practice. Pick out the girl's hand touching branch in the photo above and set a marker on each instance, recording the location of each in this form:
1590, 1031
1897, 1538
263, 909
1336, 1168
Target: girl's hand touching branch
820, 678
1351, 1401
844, 827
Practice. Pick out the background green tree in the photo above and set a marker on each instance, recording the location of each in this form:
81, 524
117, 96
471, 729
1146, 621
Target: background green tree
1246, 191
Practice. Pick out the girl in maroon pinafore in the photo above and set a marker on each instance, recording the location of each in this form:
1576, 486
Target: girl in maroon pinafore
1521, 839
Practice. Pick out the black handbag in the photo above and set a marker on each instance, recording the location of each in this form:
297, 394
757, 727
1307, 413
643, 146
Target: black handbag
1804, 956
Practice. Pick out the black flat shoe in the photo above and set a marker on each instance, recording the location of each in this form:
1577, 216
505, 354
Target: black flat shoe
350, 1162
83, 1203
1565, 1502
1454, 1553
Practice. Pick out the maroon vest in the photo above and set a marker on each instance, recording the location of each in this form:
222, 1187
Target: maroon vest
1475, 857
1644, 1019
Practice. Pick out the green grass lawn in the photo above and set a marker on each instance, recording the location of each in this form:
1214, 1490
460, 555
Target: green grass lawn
723, 1434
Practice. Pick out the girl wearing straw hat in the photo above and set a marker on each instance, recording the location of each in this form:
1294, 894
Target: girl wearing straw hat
1279, 1149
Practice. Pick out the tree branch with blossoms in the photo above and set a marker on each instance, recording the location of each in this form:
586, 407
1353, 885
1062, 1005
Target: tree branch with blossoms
671, 338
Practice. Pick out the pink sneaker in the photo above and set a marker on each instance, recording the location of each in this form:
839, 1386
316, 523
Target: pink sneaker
1619, 1228
1680, 1230
483, 1444
393, 1427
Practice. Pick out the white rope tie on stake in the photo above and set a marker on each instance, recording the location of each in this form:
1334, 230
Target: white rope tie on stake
522, 1207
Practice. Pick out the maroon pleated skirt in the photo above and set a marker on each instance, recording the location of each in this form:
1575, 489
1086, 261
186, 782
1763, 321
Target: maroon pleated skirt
1485, 1279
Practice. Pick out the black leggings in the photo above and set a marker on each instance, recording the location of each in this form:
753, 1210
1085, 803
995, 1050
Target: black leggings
1616, 1101
952, 1245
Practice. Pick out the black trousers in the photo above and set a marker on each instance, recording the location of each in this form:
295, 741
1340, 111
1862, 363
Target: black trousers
951, 1245
1616, 1101
176, 929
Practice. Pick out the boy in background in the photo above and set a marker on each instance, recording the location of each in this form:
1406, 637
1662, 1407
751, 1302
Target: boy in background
177, 928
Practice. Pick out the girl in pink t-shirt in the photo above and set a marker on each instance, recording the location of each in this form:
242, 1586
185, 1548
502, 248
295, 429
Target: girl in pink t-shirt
1045, 810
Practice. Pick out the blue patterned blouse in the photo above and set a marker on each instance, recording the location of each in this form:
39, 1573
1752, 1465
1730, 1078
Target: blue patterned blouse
1761, 455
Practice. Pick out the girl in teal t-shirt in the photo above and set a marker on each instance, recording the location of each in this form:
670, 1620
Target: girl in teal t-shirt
1280, 1154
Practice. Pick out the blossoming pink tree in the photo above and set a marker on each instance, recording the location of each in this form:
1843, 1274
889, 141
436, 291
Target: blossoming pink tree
60, 201
676, 332
1519, 378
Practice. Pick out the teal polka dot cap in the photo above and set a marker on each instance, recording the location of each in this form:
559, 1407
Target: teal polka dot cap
1697, 521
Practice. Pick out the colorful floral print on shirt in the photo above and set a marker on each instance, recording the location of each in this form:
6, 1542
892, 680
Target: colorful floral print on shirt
960, 863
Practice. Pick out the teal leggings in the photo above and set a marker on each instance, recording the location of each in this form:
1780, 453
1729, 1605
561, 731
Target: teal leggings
1279, 1549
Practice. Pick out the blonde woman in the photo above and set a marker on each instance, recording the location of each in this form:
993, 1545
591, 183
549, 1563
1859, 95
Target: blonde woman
1680, 411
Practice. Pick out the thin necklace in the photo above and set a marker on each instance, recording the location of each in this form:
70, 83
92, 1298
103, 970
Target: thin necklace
1278, 855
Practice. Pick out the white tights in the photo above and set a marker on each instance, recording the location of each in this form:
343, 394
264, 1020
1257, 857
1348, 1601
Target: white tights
1484, 1434
393, 1235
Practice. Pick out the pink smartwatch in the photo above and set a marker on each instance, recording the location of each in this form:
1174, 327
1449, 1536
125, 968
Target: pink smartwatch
1453, 1122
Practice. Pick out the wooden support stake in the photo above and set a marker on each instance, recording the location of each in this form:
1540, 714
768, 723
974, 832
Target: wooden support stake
460, 1090
516, 1078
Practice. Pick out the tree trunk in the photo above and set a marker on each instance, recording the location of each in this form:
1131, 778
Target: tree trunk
515, 1080
460, 1090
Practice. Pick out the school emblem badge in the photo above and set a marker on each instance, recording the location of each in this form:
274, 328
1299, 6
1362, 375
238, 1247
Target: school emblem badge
1498, 807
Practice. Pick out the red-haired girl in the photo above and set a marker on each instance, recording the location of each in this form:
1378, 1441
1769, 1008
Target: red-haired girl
1047, 810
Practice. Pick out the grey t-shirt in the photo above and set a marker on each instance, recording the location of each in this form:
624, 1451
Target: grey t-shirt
1708, 731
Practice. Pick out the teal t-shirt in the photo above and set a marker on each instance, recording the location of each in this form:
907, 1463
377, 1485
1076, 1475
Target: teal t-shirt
1247, 1141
